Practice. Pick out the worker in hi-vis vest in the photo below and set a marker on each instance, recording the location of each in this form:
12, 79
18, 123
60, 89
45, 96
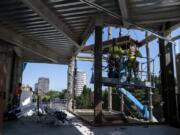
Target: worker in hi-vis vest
114, 59
132, 64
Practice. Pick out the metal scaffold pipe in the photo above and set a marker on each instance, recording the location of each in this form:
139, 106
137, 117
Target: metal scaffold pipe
150, 93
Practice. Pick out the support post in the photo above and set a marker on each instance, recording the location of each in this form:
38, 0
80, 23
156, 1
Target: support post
122, 103
150, 93
163, 78
110, 88
70, 83
16, 75
2, 92
4, 52
178, 84
168, 80
170, 73
74, 84
110, 99
98, 74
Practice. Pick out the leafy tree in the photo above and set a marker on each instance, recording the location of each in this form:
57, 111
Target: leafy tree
53, 94
46, 99
84, 100
63, 94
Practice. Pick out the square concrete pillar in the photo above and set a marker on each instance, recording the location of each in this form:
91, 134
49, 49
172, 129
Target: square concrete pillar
98, 73
3, 75
70, 83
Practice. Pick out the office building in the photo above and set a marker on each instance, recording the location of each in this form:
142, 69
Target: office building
80, 82
42, 86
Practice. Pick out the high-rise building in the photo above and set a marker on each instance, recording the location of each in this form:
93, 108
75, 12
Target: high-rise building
80, 82
42, 86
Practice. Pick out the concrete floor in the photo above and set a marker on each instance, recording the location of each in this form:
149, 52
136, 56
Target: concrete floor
76, 127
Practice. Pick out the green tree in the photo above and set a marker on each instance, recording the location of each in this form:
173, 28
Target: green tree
52, 94
84, 100
63, 94
46, 99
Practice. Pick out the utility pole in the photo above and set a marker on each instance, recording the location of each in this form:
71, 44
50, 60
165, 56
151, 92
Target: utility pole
150, 93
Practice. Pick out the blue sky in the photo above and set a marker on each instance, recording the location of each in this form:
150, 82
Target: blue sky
58, 73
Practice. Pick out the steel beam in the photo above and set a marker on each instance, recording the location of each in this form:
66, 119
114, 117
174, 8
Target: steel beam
44, 11
87, 32
153, 37
163, 76
168, 80
98, 75
178, 84
120, 18
29, 45
149, 38
171, 84
124, 10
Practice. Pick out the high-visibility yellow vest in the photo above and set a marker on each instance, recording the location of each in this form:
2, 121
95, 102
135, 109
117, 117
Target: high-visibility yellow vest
132, 57
114, 51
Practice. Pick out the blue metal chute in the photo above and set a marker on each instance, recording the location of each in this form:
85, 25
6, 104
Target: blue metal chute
136, 102
143, 108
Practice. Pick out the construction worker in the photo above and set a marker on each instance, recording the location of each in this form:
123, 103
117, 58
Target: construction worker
114, 59
132, 64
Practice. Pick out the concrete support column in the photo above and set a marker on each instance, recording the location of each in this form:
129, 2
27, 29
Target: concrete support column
110, 99
70, 83
3, 79
98, 73
5, 63
74, 84
16, 75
